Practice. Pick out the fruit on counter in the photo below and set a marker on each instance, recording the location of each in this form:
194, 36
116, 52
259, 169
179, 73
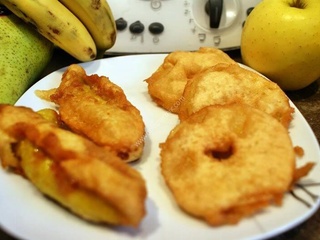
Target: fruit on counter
65, 28
24, 54
55, 22
281, 39
98, 19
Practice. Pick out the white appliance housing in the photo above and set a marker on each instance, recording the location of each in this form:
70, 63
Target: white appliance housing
161, 26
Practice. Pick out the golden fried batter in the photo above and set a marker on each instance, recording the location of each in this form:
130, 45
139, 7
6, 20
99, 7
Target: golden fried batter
227, 162
225, 84
98, 109
87, 179
166, 85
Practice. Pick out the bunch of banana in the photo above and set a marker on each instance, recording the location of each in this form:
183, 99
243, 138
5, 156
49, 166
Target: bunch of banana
23, 56
97, 16
82, 28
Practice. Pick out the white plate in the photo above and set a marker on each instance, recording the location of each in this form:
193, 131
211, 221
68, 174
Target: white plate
27, 214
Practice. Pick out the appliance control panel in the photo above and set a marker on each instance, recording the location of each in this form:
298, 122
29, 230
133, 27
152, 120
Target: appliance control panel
161, 26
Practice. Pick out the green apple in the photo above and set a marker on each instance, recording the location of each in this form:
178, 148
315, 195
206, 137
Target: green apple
281, 40
24, 54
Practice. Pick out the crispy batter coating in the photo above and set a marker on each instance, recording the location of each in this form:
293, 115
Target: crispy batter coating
61, 160
227, 162
98, 109
226, 84
166, 85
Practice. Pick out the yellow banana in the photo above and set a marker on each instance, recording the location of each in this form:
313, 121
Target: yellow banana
98, 18
55, 22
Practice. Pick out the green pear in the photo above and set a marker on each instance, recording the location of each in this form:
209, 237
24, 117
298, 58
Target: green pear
24, 54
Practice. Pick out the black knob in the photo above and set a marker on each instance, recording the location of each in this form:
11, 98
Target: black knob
156, 28
4, 11
249, 10
136, 27
214, 9
121, 24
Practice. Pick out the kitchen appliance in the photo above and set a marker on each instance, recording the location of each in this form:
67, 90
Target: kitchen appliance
160, 26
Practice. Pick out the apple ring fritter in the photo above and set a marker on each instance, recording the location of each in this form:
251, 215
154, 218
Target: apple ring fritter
226, 84
166, 85
227, 162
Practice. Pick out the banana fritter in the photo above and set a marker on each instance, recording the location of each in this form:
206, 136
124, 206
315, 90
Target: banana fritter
98, 109
85, 178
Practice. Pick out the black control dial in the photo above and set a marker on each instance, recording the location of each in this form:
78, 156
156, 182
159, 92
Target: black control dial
4, 11
249, 10
214, 9
156, 28
136, 27
121, 24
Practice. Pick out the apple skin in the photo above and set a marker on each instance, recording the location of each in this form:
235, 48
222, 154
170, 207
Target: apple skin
283, 42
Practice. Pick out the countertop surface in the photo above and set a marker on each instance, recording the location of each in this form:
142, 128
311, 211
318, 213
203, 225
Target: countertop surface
306, 100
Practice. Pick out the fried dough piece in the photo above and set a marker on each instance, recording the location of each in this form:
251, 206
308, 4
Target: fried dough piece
226, 84
98, 109
87, 179
166, 85
228, 162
